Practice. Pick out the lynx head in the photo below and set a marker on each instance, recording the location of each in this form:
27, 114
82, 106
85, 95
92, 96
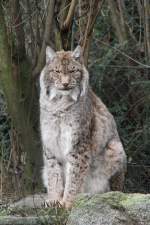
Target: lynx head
65, 73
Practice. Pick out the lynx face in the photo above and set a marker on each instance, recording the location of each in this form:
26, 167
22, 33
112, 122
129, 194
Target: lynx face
64, 73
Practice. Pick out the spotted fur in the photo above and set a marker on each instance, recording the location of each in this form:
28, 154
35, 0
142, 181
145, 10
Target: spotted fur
82, 150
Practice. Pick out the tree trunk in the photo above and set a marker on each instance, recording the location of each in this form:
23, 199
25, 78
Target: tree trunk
16, 107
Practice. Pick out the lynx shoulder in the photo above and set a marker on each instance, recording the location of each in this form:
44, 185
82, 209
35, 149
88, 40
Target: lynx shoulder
82, 150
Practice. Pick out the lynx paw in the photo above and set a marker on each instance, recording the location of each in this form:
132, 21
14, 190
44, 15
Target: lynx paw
52, 203
67, 204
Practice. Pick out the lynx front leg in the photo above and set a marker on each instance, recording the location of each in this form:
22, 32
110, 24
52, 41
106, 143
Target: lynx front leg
55, 181
76, 169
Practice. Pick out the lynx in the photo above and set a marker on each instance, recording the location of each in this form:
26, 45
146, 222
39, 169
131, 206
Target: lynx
82, 150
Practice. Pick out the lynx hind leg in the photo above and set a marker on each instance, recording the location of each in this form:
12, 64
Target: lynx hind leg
117, 181
116, 164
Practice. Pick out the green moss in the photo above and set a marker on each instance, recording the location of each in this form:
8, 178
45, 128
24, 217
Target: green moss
135, 199
111, 198
116, 200
81, 200
3, 212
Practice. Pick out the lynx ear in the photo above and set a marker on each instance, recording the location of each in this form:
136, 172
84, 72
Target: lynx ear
50, 54
77, 53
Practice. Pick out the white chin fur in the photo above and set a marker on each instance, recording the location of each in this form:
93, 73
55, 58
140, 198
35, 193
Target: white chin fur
53, 93
74, 93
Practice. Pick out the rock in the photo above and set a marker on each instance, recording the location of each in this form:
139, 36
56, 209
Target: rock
112, 208
32, 201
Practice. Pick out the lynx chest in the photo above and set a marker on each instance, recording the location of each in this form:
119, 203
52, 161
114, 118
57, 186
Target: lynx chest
59, 133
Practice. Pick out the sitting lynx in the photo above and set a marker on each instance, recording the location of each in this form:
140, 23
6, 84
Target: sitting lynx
81, 147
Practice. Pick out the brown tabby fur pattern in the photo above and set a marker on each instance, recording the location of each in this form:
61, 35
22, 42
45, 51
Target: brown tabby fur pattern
82, 150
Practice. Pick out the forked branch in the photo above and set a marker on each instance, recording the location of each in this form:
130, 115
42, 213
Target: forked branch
70, 14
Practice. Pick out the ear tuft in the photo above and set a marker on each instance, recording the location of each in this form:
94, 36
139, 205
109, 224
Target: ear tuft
77, 53
50, 54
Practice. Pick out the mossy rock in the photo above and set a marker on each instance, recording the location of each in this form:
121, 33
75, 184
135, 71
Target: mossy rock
112, 208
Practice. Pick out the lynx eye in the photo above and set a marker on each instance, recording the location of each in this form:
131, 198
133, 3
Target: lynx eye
72, 71
57, 71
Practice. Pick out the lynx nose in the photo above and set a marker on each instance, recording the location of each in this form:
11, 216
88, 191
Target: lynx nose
65, 84
65, 81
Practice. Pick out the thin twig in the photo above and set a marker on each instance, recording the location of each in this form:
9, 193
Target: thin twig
147, 27
23, 21
62, 11
124, 54
91, 20
96, 14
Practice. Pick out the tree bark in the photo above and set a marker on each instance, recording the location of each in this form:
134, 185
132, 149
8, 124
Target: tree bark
16, 106
46, 37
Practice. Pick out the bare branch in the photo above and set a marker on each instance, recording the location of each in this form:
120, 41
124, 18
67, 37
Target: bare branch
70, 14
95, 7
139, 7
120, 30
97, 10
46, 38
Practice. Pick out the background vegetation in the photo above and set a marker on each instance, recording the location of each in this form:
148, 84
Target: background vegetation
115, 36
